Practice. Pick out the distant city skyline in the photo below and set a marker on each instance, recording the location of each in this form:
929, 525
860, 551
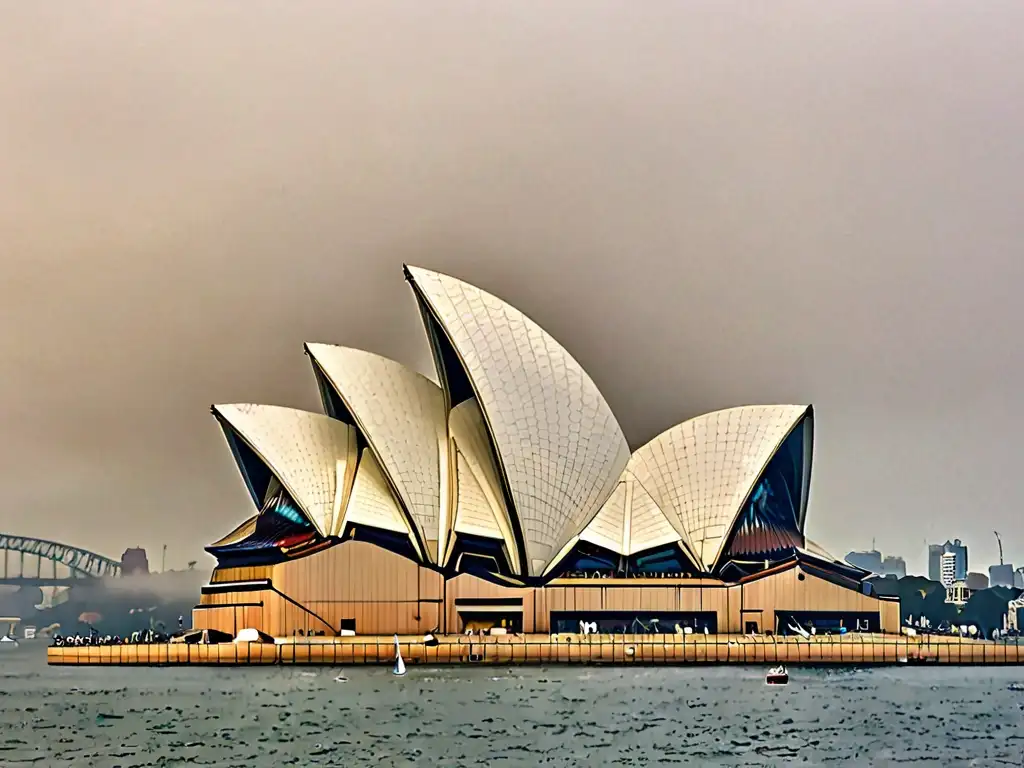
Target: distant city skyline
917, 563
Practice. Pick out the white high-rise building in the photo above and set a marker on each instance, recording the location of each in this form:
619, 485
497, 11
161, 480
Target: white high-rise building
947, 568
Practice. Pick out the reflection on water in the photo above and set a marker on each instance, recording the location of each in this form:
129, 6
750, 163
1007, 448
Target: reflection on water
458, 716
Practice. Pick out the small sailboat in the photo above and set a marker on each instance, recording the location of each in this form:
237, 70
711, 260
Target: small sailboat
777, 676
399, 668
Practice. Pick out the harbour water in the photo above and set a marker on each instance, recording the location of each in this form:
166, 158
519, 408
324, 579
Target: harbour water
527, 716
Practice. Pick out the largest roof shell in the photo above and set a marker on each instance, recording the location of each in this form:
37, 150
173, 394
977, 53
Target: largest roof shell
560, 447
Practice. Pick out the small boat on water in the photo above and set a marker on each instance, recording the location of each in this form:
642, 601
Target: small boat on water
399, 668
8, 643
777, 676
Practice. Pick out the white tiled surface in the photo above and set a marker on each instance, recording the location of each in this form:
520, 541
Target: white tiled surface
649, 527
401, 414
302, 449
469, 433
372, 503
559, 443
474, 515
699, 472
630, 521
609, 527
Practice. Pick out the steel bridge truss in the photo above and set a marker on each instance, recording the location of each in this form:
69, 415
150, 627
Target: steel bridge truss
82, 563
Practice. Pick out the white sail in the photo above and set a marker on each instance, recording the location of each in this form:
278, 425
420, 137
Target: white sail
399, 668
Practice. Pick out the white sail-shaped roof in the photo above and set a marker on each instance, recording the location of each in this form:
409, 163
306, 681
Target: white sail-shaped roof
480, 507
700, 472
649, 526
630, 521
310, 454
372, 503
560, 447
610, 527
402, 416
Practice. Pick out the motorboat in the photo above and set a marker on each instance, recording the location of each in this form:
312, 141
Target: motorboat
777, 676
8, 643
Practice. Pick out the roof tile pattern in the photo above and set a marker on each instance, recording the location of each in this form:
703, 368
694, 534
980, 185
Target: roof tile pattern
307, 452
559, 443
701, 471
474, 515
401, 414
469, 435
649, 527
610, 526
630, 521
372, 503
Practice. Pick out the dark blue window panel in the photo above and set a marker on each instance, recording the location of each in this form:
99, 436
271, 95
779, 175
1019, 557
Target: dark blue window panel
255, 473
282, 505
586, 559
334, 406
666, 560
769, 523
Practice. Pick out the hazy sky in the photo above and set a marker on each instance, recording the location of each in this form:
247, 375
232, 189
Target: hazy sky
708, 203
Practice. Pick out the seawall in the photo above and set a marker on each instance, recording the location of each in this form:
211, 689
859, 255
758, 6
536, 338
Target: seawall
559, 649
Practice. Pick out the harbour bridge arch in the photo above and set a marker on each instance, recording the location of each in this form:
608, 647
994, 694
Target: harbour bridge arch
22, 560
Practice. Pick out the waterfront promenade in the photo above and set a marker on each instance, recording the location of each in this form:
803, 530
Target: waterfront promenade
560, 649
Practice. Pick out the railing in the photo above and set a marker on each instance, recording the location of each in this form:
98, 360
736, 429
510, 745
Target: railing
594, 649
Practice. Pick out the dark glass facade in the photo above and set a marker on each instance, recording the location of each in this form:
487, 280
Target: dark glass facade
635, 622
769, 526
590, 560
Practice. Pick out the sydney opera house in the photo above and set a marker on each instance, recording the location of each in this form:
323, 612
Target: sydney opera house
504, 494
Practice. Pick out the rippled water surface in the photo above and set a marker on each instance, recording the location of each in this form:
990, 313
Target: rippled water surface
556, 716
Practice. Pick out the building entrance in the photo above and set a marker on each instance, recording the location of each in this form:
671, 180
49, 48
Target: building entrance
483, 614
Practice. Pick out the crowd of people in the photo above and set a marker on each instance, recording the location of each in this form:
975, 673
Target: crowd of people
140, 637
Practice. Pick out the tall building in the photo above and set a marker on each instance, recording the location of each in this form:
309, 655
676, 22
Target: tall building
869, 561
947, 573
977, 581
504, 495
873, 561
935, 560
893, 565
960, 550
1001, 575
134, 560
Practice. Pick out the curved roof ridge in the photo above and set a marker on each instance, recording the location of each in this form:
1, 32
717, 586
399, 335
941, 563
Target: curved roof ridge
701, 471
560, 447
650, 526
307, 452
401, 414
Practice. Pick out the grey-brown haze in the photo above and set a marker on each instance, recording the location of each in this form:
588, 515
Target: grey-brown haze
708, 203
